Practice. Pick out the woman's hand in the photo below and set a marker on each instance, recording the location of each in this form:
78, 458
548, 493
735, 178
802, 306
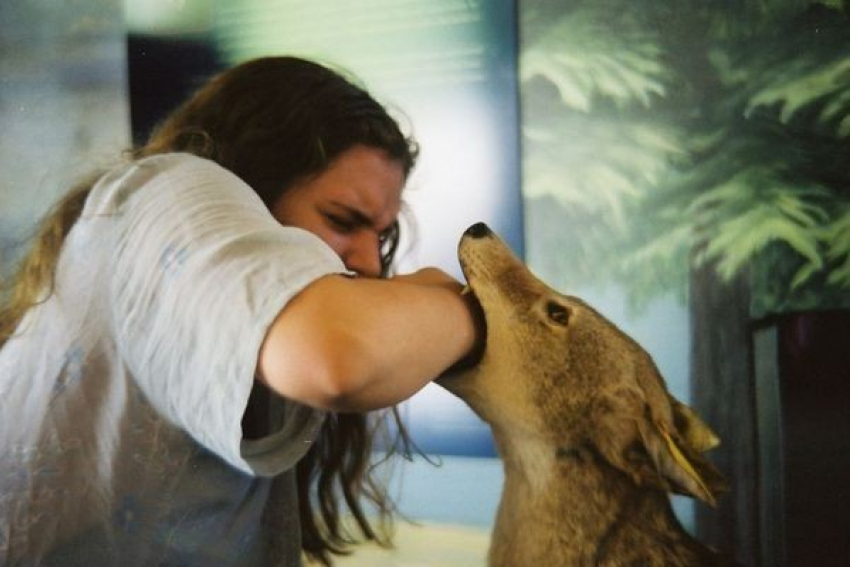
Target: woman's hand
356, 344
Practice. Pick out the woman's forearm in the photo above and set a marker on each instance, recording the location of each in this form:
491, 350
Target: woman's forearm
358, 344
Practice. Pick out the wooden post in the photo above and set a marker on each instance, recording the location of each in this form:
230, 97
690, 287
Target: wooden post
723, 393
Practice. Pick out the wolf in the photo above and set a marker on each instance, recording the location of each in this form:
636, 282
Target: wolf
591, 441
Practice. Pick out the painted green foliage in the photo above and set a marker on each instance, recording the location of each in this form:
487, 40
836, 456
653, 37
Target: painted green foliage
661, 135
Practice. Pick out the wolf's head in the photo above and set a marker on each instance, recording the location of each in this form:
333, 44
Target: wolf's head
554, 370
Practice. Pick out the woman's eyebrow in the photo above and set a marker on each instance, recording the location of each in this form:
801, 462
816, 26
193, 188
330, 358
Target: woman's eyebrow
357, 216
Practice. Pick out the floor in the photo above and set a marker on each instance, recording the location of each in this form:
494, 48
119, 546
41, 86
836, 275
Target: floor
426, 545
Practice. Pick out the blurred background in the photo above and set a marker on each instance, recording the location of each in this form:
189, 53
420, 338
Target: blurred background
682, 166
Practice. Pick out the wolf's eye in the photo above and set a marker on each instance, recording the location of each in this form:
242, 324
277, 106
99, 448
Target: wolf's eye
558, 313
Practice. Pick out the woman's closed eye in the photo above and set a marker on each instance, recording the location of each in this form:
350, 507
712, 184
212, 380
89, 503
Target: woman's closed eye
341, 223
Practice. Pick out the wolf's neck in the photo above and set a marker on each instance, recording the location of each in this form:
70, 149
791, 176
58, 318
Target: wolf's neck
560, 507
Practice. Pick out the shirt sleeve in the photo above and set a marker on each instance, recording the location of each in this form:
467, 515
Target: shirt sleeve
201, 269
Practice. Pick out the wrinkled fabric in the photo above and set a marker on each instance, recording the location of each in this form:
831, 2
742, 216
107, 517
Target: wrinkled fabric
122, 394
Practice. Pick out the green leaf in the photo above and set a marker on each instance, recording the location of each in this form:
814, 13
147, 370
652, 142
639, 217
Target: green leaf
583, 60
794, 90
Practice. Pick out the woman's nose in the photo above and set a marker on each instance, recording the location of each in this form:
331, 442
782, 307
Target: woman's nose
363, 255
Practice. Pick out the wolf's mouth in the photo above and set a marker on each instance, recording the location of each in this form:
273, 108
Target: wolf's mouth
481, 328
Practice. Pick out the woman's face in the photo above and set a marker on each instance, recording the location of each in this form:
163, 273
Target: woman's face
351, 205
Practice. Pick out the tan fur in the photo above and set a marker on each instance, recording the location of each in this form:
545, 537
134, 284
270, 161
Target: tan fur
590, 438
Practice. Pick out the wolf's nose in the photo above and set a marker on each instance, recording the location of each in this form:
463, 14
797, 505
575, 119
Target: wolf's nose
478, 230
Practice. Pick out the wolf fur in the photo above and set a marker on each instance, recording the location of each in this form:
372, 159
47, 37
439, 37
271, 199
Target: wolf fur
590, 438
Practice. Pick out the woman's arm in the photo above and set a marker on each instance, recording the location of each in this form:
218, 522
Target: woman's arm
357, 344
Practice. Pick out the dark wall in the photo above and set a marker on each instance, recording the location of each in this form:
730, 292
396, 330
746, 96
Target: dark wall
802, 375
162, 73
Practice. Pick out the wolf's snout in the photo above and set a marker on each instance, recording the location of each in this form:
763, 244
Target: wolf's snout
478, 230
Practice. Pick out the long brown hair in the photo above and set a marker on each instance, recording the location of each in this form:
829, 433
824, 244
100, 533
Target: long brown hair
272, 121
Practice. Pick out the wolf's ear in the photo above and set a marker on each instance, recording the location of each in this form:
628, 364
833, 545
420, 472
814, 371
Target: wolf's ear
656, 440
674, 437
653, 453
679, 466
695, 432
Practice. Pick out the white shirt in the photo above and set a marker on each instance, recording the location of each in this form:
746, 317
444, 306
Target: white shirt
122, 394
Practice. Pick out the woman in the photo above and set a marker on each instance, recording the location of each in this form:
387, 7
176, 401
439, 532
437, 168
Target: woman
193, 341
